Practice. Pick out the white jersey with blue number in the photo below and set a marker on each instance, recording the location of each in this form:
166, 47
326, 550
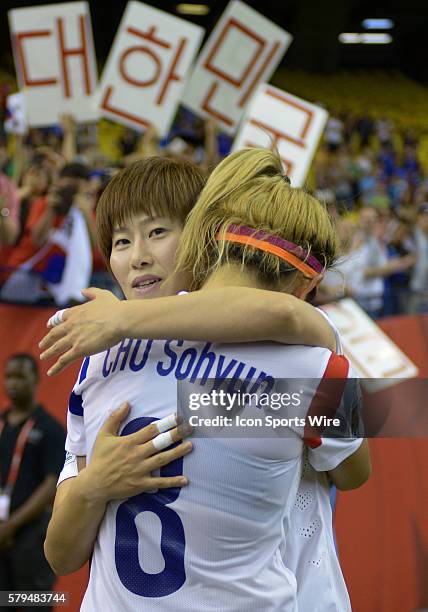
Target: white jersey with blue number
219, 543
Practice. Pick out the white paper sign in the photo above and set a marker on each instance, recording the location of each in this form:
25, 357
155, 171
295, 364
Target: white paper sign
242, 52
145, 74
55, 61
292, 125
16, 122
375, 357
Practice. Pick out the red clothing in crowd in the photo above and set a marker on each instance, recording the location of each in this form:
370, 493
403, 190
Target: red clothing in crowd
25, 249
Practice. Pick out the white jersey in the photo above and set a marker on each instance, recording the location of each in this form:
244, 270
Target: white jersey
311, 552
217, 544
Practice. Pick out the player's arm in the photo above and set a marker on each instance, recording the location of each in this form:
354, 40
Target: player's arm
64, 550
346, 460
221, 315
353, 471
81, 501
231, 314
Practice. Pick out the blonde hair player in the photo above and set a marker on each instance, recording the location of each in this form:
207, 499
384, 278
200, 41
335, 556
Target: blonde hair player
162, 190
267, 279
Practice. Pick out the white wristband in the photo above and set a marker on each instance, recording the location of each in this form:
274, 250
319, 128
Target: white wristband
163, 440
168, 422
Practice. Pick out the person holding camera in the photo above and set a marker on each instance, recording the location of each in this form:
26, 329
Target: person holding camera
72, 183
36, 265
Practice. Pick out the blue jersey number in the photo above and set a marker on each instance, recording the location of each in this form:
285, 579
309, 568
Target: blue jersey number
173, 541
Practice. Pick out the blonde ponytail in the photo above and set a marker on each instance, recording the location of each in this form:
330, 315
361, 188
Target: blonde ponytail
248, 188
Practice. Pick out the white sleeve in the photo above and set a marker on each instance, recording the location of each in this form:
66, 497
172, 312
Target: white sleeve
332, 452
76, 436
70, 468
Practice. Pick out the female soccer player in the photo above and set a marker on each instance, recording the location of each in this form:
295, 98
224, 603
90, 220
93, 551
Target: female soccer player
166, 190
236, 259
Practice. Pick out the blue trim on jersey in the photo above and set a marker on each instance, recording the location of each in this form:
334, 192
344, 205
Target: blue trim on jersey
84, 370
75, 404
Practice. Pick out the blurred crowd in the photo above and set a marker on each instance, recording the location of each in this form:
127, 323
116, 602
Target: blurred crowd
367, 171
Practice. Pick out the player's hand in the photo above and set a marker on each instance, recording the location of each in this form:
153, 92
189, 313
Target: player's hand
86, 329
121, 466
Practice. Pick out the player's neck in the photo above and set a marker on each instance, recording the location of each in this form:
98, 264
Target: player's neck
232, 275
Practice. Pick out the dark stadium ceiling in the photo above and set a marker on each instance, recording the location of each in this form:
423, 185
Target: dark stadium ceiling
315, 26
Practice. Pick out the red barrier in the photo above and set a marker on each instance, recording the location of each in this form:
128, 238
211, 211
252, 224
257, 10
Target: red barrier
21, 329
382, 528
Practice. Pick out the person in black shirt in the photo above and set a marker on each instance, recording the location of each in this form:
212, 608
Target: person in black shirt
31, 458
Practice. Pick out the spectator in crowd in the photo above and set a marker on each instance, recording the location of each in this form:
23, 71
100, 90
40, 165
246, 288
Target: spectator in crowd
31, 458
334, 134
348, 120
387, 160
36, 182
400, 245
364, 162
128, 142
9, 211
338, 281
370, 263
411, 169
419, 281
75, 178
384, 130
344, 179
365, 128
38, 261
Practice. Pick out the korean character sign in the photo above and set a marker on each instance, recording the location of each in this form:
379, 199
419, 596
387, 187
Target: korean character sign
145, 74
242, 52
55, 61
292, 125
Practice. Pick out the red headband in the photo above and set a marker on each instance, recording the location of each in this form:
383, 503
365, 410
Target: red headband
288, 251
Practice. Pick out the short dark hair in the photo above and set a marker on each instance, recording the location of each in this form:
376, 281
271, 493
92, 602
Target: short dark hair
28, 358
75, 170
156, 186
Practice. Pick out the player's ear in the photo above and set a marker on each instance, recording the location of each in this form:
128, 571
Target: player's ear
307, 285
